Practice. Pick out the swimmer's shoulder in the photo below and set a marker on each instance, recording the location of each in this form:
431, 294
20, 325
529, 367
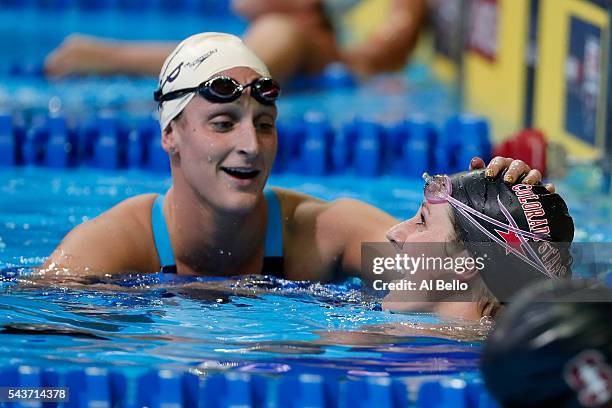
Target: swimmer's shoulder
131, 216
328, 232
299, 208
293, 201
299, 212
135, 210
119, 240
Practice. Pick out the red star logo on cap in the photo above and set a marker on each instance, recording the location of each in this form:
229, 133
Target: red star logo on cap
512, 240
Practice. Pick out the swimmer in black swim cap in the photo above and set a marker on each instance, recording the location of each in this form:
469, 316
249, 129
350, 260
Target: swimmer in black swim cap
521, 234
552, 353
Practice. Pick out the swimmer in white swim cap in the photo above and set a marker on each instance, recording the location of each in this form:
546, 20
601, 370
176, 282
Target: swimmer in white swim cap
192, 67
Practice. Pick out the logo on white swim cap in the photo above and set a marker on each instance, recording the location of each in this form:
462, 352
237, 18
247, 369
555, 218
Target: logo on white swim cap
195, 60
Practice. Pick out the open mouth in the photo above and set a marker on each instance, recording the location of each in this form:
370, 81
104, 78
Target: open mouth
241, 172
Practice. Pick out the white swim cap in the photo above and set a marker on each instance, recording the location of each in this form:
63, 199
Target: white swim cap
197, 59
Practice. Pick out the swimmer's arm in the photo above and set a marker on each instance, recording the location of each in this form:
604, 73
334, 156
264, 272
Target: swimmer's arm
117, 241
80, 54
389, 47
143, 58
346, 224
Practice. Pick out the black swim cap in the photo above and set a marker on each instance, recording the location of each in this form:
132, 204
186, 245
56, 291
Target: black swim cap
552, 353
534, 210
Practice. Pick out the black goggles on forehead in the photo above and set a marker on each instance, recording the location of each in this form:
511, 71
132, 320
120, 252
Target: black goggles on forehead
223, 89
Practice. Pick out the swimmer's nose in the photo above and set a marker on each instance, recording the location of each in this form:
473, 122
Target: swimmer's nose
396, 236
247, 142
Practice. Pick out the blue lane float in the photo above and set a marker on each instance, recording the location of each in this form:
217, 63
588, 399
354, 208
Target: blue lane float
60, 142
314, 149
368, 150
334, 76
8, 141
417, 138
311, 145
102, 387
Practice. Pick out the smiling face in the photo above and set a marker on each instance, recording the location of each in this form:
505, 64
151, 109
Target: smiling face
224, 151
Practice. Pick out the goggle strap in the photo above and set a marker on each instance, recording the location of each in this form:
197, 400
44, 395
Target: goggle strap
175, 94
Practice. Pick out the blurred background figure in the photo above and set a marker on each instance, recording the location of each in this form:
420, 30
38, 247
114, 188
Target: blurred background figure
290, 36
550, 348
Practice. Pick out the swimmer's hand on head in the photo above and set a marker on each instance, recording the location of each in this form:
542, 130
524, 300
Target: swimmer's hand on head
516, 170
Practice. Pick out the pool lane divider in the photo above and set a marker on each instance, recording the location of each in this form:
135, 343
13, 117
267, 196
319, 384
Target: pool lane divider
310, 145
102, 387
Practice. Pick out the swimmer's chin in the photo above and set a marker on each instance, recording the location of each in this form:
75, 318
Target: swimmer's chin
239, 202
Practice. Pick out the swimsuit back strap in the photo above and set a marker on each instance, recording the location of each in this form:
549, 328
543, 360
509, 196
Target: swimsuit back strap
274, 229
160, 233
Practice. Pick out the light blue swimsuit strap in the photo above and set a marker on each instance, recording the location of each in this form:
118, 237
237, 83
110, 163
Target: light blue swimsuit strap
274, 229
160, 233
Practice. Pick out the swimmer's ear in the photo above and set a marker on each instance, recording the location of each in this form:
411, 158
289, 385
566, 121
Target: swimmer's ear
458, 250
168, 139
470, 266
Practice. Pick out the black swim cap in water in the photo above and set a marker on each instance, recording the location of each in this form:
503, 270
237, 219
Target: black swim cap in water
534, 210
545, 353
